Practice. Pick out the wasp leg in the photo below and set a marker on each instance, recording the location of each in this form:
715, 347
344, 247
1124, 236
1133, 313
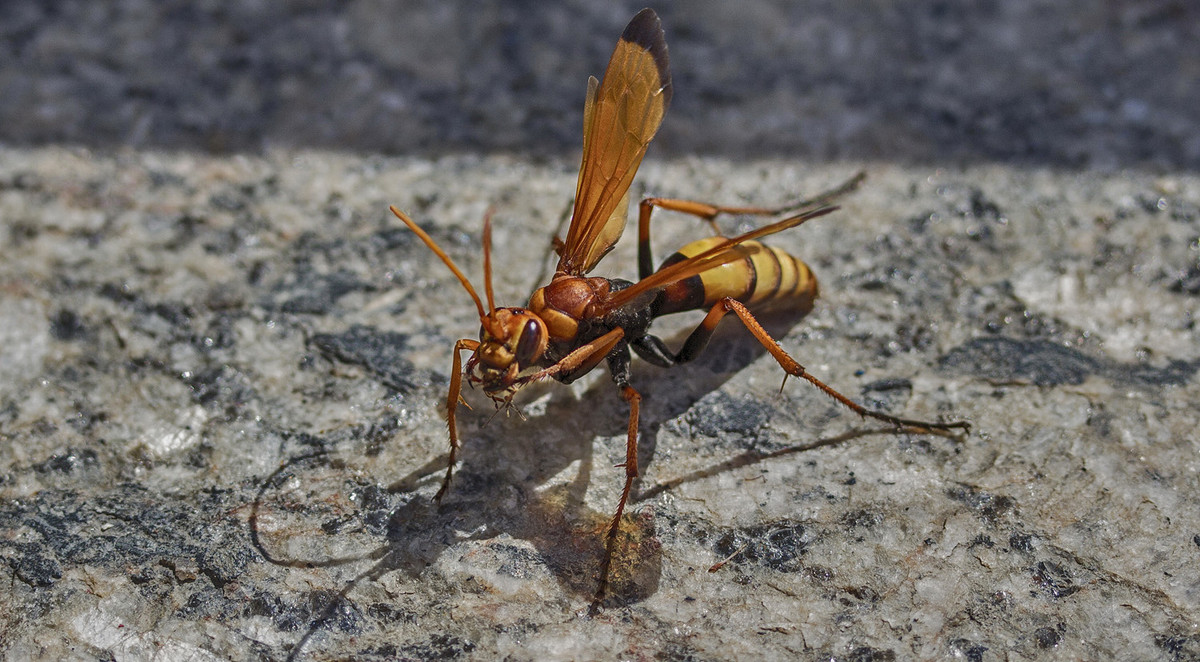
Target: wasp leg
452, 400
571, 366
654, 351
699, 338
580, 361
618, 364
709, 212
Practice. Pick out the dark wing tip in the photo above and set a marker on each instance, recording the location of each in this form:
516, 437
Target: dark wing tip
646, 31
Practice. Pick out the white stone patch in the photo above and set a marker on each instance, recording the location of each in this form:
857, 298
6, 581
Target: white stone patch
24, 340
167, 437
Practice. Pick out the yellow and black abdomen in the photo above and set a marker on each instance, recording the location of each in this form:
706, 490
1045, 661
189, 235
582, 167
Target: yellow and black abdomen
765, 278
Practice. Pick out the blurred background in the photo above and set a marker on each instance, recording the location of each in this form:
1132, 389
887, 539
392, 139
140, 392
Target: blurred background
1068, 83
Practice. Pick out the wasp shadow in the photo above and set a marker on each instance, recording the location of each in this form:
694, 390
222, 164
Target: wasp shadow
528, 477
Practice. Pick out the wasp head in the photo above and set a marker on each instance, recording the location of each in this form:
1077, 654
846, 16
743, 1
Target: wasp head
512, 341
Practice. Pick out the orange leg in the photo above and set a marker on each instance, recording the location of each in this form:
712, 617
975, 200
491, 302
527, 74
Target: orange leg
581, 360
700, 336
631, 473
576, 363
452, 400
708, 212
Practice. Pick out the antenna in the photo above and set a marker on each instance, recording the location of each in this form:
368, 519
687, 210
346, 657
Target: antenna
437, 250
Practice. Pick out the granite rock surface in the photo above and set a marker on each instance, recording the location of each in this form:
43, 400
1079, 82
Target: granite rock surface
220, 429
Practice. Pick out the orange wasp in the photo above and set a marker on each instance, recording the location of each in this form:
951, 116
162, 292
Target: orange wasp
577, 321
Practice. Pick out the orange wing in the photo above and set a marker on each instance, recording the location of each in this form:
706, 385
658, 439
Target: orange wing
620, 117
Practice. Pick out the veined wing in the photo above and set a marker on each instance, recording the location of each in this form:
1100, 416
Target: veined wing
622, 114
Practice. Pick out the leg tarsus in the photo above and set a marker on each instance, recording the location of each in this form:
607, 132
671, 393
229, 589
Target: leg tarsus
449, 474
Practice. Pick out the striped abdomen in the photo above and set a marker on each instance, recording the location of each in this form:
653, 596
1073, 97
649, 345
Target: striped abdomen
765, 278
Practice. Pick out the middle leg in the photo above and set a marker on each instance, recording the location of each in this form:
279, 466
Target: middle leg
618, 363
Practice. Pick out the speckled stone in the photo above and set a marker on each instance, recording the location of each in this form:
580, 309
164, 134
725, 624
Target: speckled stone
220, 385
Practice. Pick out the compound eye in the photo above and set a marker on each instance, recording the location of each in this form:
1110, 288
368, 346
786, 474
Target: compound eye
527, 346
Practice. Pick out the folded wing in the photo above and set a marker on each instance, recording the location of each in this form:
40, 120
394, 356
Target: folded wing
621, 116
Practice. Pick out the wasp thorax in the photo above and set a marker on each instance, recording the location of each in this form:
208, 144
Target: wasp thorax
511, 341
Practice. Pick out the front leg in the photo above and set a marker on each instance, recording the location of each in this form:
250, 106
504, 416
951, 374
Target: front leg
581, 360
573, 365
452, 399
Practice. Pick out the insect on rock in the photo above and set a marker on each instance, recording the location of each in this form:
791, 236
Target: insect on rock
576, 321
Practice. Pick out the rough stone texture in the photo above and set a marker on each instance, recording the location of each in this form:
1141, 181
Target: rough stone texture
220, 382
221, 376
